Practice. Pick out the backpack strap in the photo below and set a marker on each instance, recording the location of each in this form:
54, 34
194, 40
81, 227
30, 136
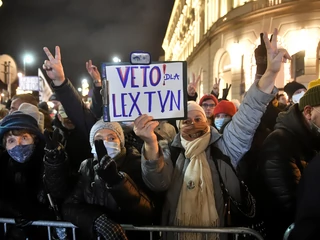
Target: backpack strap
247, 197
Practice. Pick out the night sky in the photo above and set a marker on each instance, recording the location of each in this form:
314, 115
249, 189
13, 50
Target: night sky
97, 30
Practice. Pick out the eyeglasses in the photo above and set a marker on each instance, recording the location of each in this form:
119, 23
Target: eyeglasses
316, 110
205, 105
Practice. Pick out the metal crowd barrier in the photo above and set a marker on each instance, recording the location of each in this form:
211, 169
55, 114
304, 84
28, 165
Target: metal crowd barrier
237, 231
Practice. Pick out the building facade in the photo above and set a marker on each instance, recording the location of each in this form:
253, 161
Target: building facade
220, 36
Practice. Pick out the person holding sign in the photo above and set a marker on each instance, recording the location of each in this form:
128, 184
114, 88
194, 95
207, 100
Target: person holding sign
192, 177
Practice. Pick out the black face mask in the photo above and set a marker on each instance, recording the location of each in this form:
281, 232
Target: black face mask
192, 131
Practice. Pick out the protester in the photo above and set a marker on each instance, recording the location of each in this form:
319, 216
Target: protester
23, 196
223, 114
295, 91
208, 102
75, 140
111, 180
192, 170
283, 157
307, 218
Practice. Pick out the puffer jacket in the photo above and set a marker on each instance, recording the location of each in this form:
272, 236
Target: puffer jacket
126, 202
282, 159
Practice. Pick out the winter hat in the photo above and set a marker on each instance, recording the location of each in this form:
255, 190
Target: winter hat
114, 126
225, 107
314, 83
19, 121
311, 98
192, 106
208, 97
291, 87
33, 111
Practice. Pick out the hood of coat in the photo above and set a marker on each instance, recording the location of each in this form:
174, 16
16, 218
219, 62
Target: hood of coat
294, 122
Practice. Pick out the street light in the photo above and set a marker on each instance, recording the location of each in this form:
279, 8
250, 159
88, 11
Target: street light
116, 59
26, 59
0, 3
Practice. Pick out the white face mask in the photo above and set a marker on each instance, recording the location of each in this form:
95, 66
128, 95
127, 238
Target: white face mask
296, 97
113, 149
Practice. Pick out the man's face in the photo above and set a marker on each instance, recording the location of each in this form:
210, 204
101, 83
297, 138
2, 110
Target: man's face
283, 100
66, 122
15, 104
208, 107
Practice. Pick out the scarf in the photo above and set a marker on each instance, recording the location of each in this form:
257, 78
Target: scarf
196, 205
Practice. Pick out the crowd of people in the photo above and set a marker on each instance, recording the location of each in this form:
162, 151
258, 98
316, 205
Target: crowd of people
222, 165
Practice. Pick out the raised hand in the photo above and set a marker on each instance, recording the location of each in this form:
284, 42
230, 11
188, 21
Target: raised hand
216, 87
94, 73
192, 86
144, 126
275, 55
225, 91
53, 66
54, 151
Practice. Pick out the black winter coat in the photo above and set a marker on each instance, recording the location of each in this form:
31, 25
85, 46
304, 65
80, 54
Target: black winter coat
21, 189
307, 220
282, 159
126, 202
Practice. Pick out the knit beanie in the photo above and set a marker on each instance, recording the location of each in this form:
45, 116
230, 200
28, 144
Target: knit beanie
192, 106
291, 87
34, 112
114, 126
314, 83
225, 107
208, 97
19, 121
311, 98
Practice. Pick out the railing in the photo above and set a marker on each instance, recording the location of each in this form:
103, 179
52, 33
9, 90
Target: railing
237, 231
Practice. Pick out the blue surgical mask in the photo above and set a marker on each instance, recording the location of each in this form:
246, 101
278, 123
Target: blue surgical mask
219, 122
21, 153
113, 149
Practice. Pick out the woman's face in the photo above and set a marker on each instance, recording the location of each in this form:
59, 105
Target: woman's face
22, 139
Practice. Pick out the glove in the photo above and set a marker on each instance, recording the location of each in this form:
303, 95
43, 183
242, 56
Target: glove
54, 151
107, 167
260, 54
109, 229
225, 91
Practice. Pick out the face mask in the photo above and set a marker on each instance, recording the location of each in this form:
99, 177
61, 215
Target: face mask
21, 153
296, 98
113, 149
219, 122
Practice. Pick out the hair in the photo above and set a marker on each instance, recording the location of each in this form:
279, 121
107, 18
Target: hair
279, 96
26, 98
17, 133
